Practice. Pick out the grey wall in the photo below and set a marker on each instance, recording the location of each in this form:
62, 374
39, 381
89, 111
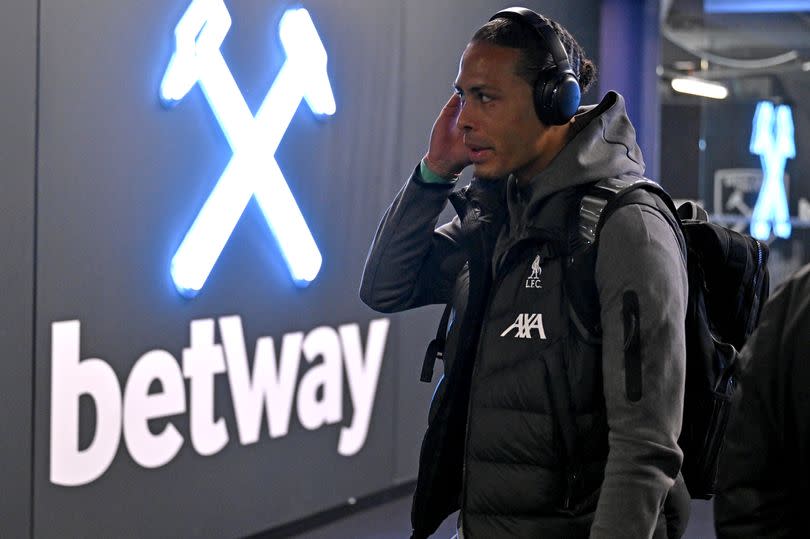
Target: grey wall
121, 179
118, 178
18, 62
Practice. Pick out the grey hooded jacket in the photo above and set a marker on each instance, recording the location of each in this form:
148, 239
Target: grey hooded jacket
512, 471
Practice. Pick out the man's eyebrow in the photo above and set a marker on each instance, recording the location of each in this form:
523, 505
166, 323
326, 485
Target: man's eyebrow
473, 89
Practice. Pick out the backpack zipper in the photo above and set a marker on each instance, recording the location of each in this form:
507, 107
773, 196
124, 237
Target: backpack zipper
757, 272
759, 263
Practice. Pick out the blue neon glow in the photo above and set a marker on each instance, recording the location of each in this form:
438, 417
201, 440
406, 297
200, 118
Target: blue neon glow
772, 139
253, 170
755, 6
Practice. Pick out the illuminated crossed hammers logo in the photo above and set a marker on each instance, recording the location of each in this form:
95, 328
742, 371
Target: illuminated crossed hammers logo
773, 141
253, 170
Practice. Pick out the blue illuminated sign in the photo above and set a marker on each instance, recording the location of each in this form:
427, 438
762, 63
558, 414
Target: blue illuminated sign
772, 139
754, 6
252, 170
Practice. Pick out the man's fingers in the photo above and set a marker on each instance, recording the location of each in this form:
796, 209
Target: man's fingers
453, 105
446, 152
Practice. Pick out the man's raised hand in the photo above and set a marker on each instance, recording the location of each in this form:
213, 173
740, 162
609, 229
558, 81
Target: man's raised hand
447, 156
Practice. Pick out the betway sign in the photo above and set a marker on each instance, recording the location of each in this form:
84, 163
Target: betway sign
269, 390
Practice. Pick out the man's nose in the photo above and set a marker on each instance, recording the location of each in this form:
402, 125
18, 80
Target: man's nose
466, 117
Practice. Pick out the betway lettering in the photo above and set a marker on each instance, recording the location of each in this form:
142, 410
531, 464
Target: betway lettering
270, 390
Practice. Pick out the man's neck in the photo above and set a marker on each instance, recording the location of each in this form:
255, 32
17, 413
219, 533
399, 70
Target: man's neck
553, 141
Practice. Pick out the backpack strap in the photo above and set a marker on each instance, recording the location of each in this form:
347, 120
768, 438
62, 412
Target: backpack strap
435, 349
596, 206
606, 197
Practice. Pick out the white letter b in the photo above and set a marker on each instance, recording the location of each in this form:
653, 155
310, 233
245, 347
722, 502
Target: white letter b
70, 378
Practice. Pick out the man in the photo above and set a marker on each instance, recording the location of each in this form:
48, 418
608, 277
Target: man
534, 432
764, 476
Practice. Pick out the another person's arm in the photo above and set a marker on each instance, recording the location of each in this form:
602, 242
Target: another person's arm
763, 476
641, 277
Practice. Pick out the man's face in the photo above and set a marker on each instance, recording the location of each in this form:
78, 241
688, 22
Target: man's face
501, 130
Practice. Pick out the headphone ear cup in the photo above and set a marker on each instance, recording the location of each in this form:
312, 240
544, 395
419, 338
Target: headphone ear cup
544, 98
539, 100
566, 98
556, 98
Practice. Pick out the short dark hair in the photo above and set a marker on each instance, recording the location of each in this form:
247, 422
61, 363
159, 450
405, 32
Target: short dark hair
535, 57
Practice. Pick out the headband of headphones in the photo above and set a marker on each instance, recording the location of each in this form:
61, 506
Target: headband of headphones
546, 32
556, 98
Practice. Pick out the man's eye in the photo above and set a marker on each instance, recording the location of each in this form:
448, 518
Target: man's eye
484, 98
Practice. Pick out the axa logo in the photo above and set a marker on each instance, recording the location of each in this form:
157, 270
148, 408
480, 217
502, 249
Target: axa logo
534, 278
253, 170
524, 324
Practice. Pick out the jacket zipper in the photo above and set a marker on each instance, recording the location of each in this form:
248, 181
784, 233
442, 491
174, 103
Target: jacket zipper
497, 281
569, 488
484, 316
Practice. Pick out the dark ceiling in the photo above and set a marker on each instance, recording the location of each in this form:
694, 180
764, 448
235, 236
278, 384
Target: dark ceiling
752, 53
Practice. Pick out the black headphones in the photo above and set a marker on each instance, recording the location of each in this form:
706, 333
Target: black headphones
556, 97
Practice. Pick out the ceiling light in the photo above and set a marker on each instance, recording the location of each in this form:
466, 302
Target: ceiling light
699, 87
684, 65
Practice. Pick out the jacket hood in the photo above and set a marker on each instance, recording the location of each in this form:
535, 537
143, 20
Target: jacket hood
602, 145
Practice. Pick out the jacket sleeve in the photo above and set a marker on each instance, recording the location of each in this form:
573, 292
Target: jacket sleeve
764, 467
642, 282
411, 263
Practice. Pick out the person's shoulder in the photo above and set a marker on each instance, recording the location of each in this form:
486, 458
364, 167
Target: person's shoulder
791, 300
636, 223
801, 280
639, 240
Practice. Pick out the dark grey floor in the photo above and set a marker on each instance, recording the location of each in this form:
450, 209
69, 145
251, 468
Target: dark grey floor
388, 521
391, 521
701, 521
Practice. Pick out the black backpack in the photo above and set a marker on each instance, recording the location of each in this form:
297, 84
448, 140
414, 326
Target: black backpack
728, 286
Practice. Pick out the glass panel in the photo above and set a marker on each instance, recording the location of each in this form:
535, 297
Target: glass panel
750, 175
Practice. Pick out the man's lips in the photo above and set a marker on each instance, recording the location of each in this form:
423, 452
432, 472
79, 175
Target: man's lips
478, 153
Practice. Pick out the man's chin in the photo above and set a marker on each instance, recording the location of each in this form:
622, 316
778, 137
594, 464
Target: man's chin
486, 173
